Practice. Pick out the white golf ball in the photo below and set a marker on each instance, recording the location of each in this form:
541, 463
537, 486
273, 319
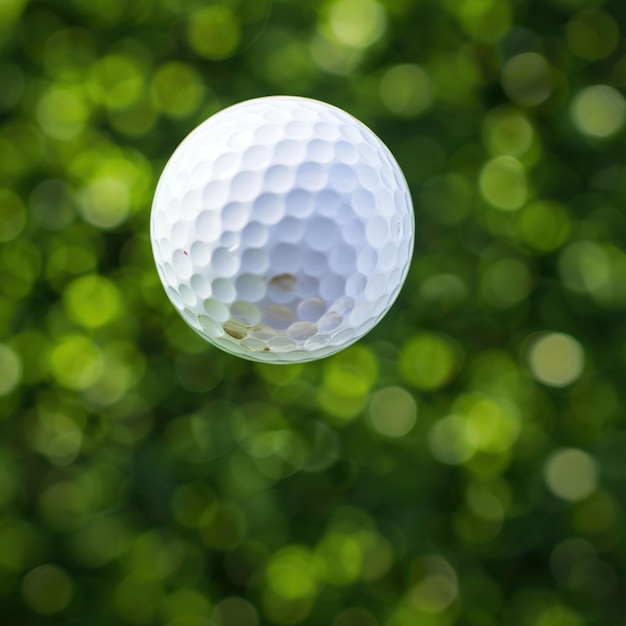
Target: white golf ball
282, 229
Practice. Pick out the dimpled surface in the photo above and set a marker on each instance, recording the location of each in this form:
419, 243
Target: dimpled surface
282, 229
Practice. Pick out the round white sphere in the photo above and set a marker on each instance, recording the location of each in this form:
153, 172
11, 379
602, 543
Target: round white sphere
282, 229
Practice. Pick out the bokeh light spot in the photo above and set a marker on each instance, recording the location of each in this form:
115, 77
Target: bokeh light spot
448, 440
599, 111
507, 131
348, 377
406, 90
505, 283
544, 225
214, 32
186, 607
592, 34
277, 453
571, 474
10, 369
585, 267
47, 589
428, 361
357, 23
437, 586
76, 362
556, 359
338, 558
234, 611
176, 89
116, 81
105, 202
99, 541
527, 79
224, 528
10, 11
65, 504
62, 112
123, 367
64, 447
392, 412
485, 20
444, 290
51, 204
291, 574
484, 503
92, 301
334, 57
492, 425
12, 215
447, 198
503, 183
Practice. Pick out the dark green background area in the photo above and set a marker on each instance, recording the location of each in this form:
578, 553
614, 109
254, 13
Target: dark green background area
464, 463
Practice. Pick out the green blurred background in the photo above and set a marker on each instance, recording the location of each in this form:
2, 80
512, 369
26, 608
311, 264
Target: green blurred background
465, 463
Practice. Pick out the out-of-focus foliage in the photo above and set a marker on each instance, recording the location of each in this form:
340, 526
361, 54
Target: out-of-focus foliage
464, 464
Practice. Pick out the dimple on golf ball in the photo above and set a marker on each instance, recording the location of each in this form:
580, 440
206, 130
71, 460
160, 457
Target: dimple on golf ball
282, 229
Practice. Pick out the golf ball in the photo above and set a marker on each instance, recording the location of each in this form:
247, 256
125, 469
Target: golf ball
282, 229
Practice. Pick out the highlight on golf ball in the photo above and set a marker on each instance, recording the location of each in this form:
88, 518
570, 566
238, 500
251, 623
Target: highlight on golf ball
282, 229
